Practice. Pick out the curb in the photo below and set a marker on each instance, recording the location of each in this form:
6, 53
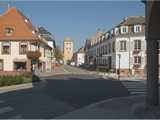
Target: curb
15, 87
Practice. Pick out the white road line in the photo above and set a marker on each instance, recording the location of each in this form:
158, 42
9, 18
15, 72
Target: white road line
5, 109
16, 117
1, 101
135, 87
138, 92
65, 70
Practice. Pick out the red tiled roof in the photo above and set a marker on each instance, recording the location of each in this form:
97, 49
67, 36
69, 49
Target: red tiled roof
22, 27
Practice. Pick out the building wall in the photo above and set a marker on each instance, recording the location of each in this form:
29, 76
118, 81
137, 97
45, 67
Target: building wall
80, 58
8, 60
106, 48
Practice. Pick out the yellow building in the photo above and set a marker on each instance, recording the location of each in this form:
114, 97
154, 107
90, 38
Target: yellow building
67, 49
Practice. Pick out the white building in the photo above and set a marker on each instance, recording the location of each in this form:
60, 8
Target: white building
80, 57
123, 47
19, 41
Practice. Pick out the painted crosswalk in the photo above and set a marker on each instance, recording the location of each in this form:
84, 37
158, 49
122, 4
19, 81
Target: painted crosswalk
6, 112
135, 87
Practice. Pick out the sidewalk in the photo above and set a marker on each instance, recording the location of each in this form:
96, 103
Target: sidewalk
132, 107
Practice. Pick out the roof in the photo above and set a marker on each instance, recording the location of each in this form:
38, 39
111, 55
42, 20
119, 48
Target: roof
132, 20
81, 50
21, 25
67, 39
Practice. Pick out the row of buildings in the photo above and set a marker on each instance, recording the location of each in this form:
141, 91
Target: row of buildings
122, 49
23, 48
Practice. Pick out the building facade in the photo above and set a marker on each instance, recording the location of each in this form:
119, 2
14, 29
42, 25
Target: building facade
19, 40
79, 57
67, 50
121, 49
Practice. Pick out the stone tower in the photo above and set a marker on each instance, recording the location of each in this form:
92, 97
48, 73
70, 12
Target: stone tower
67, 49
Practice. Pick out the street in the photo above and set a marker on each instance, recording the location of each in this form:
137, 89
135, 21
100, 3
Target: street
58, 94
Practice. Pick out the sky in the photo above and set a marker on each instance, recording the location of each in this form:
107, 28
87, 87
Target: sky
76, 19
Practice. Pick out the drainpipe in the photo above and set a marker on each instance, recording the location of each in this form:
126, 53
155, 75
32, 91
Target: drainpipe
129, 55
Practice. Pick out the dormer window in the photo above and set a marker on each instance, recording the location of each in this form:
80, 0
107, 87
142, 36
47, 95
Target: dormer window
116, 31
124, 29
137, 28
33, 32
106, 35
26, 20
8, 31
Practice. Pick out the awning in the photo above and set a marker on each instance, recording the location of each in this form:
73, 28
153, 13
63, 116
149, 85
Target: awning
19, 60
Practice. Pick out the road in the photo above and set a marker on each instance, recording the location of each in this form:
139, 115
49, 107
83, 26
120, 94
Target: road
58, 94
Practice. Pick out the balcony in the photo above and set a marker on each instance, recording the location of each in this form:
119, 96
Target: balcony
136, 65
136, 51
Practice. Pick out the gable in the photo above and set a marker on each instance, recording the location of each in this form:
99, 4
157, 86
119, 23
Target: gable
22, 28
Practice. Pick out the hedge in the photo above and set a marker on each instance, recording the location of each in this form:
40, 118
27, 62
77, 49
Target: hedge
18, 79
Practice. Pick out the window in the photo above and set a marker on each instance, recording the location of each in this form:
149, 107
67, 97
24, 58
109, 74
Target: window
124, 29
106, 50
23, 48
113, 47
123, 45
19, 66
137, 44
137, 28
137, 59
8, 31
6, 47
109, 48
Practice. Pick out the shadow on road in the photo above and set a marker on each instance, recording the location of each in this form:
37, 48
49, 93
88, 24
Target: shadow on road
58, 95
79, 91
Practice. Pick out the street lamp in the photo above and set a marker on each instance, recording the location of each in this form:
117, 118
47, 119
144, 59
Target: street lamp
119, 56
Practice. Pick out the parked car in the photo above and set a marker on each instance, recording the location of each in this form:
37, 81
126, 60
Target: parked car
72, 63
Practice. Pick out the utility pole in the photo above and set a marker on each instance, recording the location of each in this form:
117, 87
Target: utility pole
119, 68
152, 37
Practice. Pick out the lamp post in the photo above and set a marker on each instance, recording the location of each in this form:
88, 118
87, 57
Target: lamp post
119, 64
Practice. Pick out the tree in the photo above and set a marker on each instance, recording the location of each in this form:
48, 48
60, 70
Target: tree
58, 54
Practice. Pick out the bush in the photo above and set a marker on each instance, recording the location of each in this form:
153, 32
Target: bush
18, 79
10, 80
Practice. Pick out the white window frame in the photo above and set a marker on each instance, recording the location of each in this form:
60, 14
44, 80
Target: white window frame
137, 60
136, 45
122, 29
123, 45
136, 28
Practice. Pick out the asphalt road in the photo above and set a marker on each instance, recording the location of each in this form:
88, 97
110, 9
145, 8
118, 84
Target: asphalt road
59, 94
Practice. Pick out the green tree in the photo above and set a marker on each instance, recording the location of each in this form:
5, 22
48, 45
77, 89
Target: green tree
58, 54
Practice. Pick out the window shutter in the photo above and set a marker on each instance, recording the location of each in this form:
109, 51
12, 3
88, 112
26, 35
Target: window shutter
127, 45
143, 60
143, 45
118, 46
132, 60
132, 45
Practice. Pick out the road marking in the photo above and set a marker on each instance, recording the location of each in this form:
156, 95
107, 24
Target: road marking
16, 117
65, 70
5, 109
1, 101
134, 88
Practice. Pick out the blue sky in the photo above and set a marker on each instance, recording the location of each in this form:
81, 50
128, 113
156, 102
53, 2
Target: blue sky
77, 19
